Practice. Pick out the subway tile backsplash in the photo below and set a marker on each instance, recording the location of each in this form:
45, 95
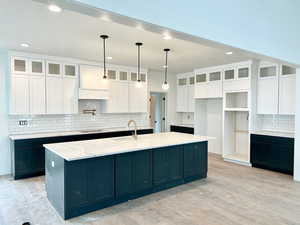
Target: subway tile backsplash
281, 123
80, 121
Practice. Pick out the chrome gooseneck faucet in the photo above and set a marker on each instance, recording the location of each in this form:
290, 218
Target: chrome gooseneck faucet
135, 128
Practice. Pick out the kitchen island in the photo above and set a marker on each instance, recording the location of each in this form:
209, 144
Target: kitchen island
84, 176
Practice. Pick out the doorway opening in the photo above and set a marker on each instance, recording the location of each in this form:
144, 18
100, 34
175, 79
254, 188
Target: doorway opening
158, 103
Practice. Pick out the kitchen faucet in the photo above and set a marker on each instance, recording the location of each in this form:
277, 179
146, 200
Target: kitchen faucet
135, 128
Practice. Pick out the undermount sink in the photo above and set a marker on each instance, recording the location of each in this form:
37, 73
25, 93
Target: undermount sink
91, 131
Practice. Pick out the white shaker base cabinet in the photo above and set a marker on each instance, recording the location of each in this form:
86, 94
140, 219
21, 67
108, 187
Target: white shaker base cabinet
19, 103
37, 92
55, 95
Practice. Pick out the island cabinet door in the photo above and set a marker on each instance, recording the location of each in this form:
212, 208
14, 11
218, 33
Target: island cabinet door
167, 165
89, 181
124, 176
195, 160
142, 171
101, 182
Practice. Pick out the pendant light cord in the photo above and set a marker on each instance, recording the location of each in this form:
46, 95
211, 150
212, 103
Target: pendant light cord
104, 37
139, 44
166, 65
104, 58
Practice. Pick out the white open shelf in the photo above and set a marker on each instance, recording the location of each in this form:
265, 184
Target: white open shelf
236, 101
236, 137
237, 109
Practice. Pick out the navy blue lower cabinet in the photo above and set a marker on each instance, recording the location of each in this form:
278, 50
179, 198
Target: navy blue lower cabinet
195, 155
29, 155
133, 174
272, 153
167, 167
182, 129
81, 186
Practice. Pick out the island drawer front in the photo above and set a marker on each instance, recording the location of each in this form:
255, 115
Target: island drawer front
272, 153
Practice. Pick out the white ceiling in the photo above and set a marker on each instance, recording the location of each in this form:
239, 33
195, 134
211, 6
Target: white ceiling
76, 35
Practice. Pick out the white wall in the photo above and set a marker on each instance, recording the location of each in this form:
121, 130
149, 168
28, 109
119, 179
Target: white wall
5, 160
155, 80
297, 130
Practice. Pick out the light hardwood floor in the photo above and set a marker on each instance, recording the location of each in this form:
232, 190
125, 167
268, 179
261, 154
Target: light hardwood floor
231, 194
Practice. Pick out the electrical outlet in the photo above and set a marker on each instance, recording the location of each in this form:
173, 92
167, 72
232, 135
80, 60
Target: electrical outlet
23, 123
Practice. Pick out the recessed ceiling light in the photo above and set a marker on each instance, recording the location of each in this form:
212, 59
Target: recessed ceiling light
167, 37
54, 8
229, 53
25, 45
109, 57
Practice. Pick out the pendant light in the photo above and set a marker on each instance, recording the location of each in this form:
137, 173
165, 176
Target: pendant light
165, 85
139, 83
104, 37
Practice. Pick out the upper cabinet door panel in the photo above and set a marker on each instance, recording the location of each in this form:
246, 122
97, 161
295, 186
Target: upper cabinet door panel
243, 73
54, 68
229, 74
55, 93
70, 70
214, 76
287, 95
19, 65
91, 77
19, 104
37, 67
270, 71
267, 96
37, 95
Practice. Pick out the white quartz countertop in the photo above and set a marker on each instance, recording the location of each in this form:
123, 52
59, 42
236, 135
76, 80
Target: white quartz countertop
274, 133
109, 146
70, 133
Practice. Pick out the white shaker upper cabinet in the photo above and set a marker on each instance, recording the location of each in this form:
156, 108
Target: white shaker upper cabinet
55, 95
37, 95
191, 94
91, 77
182, 95
214, 85
267, 90
138, 102
70, 90
19, 96
287, 90
37, 67
201, 85
118, 97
